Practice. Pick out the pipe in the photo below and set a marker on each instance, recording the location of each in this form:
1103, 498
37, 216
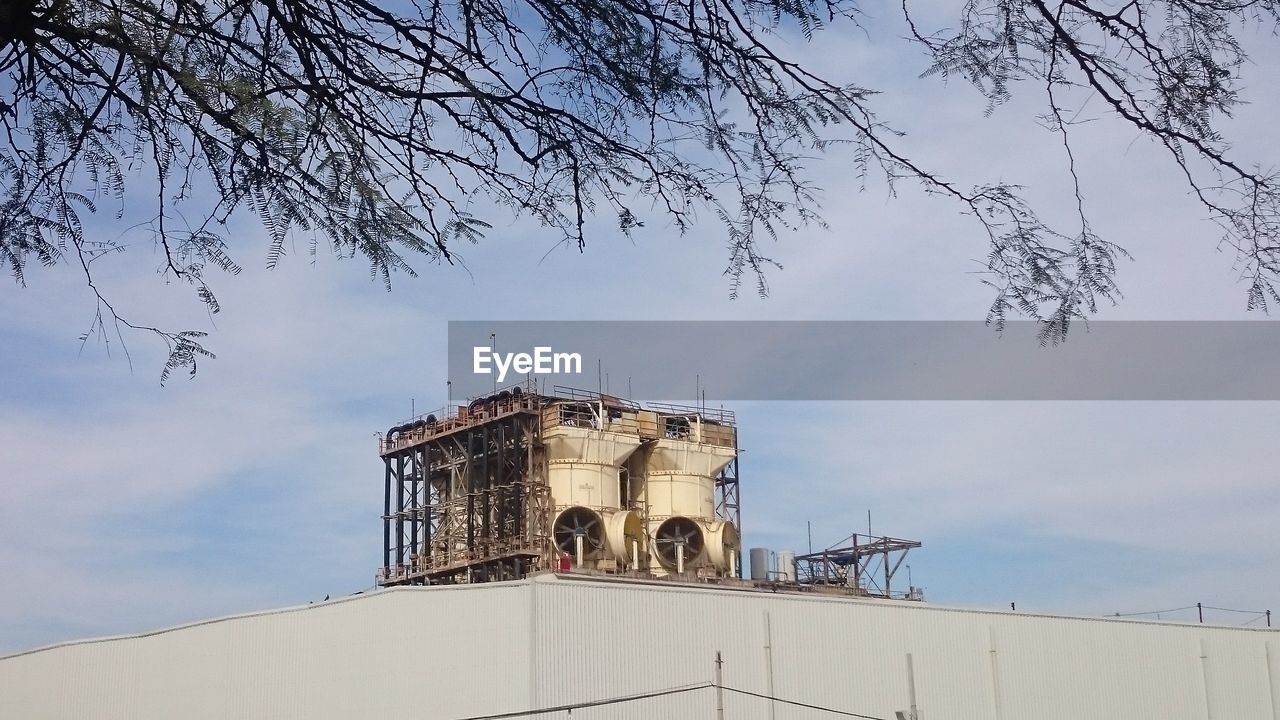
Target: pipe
768, 664
680, 559
911, 688
719, 687
577, 546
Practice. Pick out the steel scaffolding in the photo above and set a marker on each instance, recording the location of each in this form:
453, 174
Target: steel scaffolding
865, 564
467, 496
465, 499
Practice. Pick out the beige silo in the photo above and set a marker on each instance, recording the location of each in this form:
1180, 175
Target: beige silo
679, 490
587, 444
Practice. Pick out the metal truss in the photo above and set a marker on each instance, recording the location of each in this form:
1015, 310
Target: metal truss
866, 564
729, 500
467, 503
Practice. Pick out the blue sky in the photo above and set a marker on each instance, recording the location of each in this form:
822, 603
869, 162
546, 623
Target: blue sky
124, 505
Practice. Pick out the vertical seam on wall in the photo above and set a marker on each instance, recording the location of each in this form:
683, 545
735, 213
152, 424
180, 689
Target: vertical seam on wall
534, 699
995, 675
1271, 679
1204, 675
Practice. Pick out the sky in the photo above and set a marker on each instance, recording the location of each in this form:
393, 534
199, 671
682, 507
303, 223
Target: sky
125, 505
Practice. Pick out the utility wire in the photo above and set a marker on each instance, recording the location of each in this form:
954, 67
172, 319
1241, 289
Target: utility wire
595, 703
661, 693
1153, 612
797, 703
1258, 613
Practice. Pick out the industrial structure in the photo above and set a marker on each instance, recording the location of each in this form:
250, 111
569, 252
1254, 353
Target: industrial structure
585, 560
866, 564
620, 649
860, 565
520, 481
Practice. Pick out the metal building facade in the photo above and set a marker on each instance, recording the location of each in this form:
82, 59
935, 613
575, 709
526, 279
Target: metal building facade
455, 652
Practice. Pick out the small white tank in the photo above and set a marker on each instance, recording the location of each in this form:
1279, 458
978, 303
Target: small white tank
786, 566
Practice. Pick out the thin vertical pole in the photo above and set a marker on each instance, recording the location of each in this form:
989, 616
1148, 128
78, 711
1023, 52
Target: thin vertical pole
719, 687
1268, 618
887, 574
426, 500
386, 520
1200, 612
855, 567
996, 698
1204, 675
1273, 683
416, 465
768, 663
400, 510
911, 688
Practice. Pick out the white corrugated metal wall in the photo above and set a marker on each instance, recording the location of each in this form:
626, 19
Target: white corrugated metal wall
851, 656
388, 655
446, 653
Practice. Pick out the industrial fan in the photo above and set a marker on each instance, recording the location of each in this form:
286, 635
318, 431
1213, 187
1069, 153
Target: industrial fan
678, 542
578, 522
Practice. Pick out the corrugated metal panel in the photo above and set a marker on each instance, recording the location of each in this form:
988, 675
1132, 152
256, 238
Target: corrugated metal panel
851, 656
405, 653
445, 653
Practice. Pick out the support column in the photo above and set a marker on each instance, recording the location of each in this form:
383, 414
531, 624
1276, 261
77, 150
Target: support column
386, 517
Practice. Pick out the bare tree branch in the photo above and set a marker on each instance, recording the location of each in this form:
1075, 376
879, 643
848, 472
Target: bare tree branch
373, 130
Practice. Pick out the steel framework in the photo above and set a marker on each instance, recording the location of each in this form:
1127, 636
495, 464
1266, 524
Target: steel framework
466, 499
729, 499
466, 494
866, 564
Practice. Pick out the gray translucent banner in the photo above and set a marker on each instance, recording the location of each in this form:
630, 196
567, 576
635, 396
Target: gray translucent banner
869, 360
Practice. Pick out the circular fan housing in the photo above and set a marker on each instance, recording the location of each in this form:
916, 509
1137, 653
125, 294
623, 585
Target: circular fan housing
577, 521
625, 538
673, 533
722, 544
